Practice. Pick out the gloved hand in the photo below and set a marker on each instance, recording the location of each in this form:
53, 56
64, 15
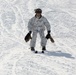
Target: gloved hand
28, 36
48, 35
30, 32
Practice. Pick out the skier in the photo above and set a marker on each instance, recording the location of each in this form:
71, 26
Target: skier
37, 24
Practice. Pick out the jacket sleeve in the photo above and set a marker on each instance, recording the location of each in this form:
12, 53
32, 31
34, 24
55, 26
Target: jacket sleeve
30, 25
47, 24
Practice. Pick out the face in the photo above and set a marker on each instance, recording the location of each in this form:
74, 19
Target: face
38, 14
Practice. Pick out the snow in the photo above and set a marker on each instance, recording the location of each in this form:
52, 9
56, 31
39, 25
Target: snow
15, 55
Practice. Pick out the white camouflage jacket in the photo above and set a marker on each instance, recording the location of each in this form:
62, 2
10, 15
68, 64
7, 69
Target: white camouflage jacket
38, 24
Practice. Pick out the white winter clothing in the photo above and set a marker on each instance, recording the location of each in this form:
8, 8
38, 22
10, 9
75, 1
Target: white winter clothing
43, 39
35, 24
38, 26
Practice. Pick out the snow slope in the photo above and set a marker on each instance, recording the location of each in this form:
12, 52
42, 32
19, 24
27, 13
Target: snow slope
15, 55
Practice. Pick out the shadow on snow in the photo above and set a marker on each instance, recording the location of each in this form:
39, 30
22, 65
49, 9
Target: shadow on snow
59, 54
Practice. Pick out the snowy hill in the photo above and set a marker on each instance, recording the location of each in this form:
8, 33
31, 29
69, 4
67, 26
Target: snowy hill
15, 55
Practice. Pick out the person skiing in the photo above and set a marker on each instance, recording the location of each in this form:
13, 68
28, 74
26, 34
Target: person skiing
38, 24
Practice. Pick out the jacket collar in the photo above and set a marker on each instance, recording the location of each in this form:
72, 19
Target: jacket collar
39, 17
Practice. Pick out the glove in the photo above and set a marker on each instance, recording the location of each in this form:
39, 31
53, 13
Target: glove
28, 36
48, 35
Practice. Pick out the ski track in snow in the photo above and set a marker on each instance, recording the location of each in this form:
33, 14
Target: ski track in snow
15, 55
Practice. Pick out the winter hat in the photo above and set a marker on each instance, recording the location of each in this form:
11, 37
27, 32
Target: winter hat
38, 10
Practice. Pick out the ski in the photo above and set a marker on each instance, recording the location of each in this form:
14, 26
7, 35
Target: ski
38, 52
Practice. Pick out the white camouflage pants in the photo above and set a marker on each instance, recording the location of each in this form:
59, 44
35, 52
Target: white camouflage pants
43, 39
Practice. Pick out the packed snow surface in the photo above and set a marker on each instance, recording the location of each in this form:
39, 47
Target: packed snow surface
15, 55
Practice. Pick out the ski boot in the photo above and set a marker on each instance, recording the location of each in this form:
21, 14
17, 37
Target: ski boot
43, 49
32, 49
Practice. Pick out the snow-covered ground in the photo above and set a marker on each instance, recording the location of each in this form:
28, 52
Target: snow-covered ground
15, 55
